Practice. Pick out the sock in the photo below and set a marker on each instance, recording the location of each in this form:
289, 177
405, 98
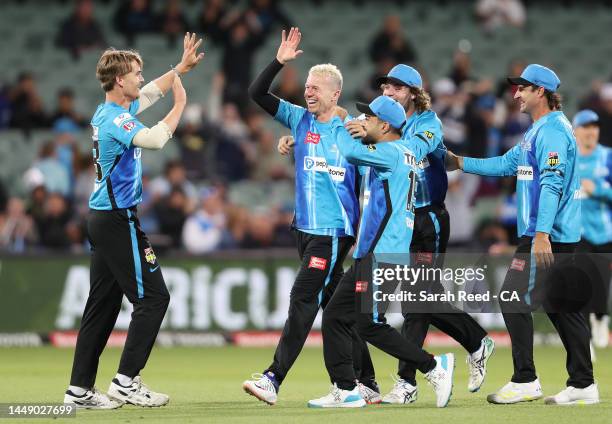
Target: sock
478, 351
124, 380
77, 391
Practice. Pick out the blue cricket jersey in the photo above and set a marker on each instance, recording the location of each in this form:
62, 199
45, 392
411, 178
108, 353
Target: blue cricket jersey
432, 181
326, 185
118, 182
548, 188
387, 220
596, 211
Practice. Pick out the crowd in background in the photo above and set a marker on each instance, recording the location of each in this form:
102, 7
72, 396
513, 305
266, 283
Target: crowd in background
224, 142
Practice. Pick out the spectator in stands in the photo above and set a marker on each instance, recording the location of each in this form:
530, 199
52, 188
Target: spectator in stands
515, 124
134, 17
289, 87
503, 88
80, 31
391, 43
268, 15
27, 110
174, 177
193, 143
206, 229
5, 105
172, 22
244, 37
52, 225
212, 20
461, 190
450, 105
269, 164
3, 197
53, 174
605, 114
65, 115
461, 69
16, 227
84, 177
171, 212
493, 14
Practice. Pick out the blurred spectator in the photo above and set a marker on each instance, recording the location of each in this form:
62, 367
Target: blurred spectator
206, 229
493, 14
174, 177
270, 165
80, 31
370, 88
243, 39
211, 21
3, 197
171, 214
461, 69
26, 105
53, 174
5, 106
450, 105
483, 135
605, 115
515, 124
268, 15
134, 17
289, 87
173, 23
52, 225
391, 43
503, 88
16, 228
260, 230
193, 144
65, 117
84, 183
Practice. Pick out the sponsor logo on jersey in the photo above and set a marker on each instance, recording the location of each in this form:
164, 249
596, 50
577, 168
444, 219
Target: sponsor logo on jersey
361, 286
312, 138
129, 126
371, 147
315, 163
149, 255
524, 173
317, 263
553, 159
337, 173
137, 153
429, 135
424, 258
121, 119
517, 264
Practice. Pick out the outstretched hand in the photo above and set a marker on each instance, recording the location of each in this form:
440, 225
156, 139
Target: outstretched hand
287, 51
191, 57
452, 161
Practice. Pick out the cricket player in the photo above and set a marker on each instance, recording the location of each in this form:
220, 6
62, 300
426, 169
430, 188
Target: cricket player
549, 230
595, 172
386, 228
431, 231
122, 260
326, 213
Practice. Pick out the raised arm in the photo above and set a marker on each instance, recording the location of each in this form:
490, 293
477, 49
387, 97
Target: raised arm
153, 91
259, 90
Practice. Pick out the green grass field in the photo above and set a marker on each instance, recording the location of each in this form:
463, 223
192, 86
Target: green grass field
205, 386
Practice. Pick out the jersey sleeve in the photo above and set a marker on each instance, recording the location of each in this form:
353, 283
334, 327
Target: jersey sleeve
124, 126
499, 166
289, 114
427, 137
551, 154
381, 156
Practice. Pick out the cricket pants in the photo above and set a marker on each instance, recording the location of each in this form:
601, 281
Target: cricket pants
431, 232
122, 263
317, 279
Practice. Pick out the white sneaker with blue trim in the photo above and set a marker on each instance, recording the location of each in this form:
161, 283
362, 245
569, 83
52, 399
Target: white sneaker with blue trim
477, 363
441, 378
338, 398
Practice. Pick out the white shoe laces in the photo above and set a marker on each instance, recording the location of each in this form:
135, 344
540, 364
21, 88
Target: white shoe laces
263, 382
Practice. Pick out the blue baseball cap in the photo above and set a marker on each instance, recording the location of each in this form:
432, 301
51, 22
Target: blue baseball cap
402, 75
585, 117
537, 75
386, 109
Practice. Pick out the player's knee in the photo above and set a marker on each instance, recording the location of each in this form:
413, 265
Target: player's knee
365, 325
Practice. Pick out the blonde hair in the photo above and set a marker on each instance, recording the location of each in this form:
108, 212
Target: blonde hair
115, 63
422, 101
329, 71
